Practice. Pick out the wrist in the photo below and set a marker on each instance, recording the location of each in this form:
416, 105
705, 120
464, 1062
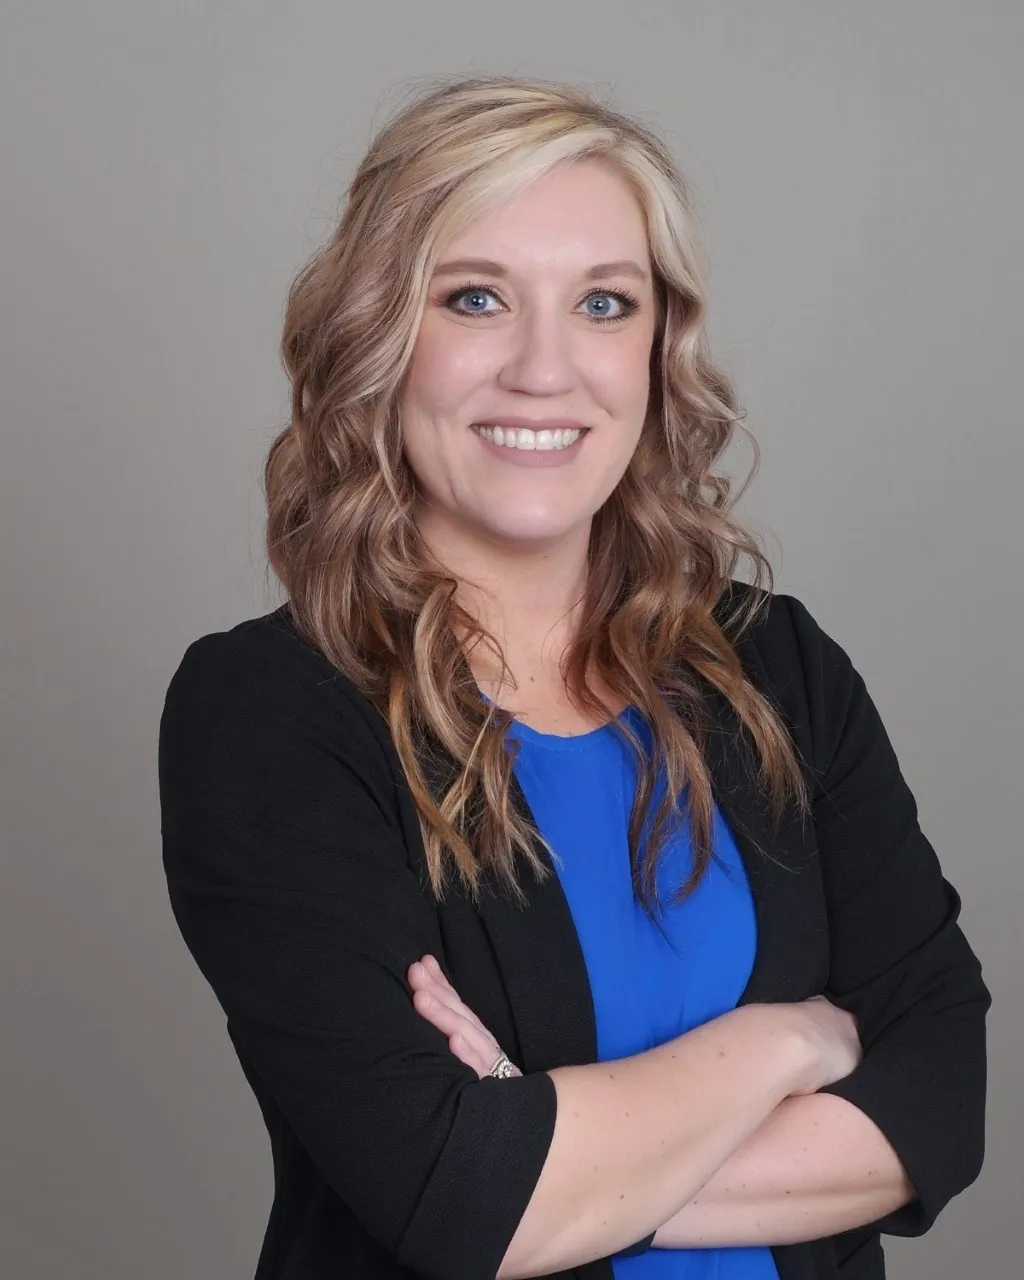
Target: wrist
780, 1038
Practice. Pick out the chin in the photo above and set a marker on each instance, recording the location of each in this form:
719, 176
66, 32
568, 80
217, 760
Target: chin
526, 535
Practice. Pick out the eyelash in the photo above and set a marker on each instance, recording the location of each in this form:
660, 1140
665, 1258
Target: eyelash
629, 302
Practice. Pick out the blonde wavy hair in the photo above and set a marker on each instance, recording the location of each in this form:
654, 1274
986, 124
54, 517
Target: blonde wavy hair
362, 585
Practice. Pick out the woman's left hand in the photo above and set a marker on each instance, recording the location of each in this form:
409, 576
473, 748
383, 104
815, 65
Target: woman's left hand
436, 1000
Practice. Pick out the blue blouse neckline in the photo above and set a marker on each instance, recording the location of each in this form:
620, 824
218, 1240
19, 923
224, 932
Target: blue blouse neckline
567, 742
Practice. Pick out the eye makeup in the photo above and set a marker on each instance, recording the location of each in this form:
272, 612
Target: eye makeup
627, 301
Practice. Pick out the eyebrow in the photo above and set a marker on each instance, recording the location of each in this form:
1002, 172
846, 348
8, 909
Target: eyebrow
622, 266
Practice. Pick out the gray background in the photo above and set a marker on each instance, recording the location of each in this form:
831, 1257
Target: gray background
168, 168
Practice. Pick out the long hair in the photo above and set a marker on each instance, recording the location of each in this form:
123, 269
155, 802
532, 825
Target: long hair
362, 585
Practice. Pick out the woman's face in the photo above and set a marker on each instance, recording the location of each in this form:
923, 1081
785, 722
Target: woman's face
539, 327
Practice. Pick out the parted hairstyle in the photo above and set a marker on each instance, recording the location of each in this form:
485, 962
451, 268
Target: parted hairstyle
363, 586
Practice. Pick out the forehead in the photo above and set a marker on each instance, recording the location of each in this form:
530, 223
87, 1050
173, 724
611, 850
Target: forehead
577, 218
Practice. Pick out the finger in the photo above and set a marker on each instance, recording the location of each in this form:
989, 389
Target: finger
469, 1044
421, 979
438, 1001
433, 973
468, 1038
429, 975
434, 970
480, 1048
441, 994
439, 987
443, 1014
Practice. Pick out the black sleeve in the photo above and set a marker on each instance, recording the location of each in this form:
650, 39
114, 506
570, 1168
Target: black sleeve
290, 884
899, 960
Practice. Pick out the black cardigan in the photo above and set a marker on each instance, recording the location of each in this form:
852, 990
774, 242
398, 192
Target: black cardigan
295, 870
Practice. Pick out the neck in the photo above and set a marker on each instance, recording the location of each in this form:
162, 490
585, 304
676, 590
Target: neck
527, 596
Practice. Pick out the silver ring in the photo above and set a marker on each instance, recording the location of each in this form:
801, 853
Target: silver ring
503, 1068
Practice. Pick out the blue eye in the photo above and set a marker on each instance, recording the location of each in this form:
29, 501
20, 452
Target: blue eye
627, 302
471, 291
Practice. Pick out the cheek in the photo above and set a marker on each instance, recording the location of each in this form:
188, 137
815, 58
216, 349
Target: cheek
446, 363
624, 385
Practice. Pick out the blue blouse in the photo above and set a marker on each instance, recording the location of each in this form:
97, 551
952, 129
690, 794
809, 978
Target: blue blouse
645, 991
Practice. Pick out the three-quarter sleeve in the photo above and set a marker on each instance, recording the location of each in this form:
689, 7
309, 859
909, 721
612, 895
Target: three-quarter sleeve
290, 883
899, 959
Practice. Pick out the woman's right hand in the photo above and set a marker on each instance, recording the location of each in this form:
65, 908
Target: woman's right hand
831, 1037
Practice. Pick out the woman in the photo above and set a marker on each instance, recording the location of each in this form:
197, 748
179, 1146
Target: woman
564, 896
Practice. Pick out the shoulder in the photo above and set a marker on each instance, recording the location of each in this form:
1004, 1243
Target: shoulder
792, 660
268, 645
265, 656
775, 632
259, 686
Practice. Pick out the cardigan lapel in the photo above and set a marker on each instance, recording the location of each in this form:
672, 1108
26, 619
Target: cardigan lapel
542, 965
536, 947
791, 961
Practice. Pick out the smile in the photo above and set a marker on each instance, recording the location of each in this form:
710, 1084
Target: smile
525, 439
533, 449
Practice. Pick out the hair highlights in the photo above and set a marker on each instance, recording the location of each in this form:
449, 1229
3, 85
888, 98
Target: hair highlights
362, 585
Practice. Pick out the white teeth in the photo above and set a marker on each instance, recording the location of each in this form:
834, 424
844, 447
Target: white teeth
524, 438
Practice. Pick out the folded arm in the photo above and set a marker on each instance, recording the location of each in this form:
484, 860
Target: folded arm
914, 1119
815, 1167
890, 1144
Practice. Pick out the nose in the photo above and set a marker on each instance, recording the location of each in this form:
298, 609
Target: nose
540, 359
